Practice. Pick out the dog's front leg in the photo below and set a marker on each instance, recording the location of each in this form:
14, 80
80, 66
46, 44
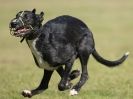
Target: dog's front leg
43, 85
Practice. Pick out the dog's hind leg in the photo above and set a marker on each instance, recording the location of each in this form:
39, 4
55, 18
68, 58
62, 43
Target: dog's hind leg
84, 52
84, 76
74, 73
43, 85
65, 80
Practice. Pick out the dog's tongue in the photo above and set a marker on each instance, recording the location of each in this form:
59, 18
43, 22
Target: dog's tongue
22, 30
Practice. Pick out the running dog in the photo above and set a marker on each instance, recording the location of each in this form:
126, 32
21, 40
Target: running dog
58, 42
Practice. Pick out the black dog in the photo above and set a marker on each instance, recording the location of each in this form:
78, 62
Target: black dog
58, 42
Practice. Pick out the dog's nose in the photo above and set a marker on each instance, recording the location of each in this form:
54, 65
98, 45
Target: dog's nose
13, 24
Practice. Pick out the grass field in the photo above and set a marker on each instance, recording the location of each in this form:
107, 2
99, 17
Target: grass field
111, 22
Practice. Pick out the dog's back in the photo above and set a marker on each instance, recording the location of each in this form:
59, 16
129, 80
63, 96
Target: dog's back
60, 39
67, 28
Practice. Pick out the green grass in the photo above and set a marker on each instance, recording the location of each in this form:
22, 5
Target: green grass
112, 26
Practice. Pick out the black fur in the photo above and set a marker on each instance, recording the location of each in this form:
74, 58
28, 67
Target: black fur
60, 39
59, 42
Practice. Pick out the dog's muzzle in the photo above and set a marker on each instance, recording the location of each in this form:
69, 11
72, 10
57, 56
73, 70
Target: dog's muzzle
18, 28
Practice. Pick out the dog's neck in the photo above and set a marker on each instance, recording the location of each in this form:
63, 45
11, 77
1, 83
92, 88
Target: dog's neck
32, 35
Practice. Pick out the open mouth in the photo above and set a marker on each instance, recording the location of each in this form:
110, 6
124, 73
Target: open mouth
20, 32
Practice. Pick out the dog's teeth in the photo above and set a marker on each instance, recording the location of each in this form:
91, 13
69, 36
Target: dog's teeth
14, 29
73, 92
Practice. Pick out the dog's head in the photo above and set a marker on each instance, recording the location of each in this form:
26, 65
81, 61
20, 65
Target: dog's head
25, 22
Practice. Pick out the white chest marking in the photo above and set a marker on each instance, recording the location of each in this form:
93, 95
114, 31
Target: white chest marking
38, 55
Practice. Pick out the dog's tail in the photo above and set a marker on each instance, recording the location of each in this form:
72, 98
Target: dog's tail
107, 62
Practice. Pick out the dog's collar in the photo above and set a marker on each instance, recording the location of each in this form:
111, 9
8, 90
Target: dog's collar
20, 18
21, 41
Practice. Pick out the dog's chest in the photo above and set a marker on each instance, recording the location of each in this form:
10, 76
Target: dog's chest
38, 55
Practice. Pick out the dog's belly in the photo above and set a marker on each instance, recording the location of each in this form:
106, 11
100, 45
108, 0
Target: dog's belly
42, 63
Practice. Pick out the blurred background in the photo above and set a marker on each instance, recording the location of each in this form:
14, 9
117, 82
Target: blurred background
111, 22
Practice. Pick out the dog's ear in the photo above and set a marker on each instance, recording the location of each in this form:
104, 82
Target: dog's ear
41, 16
34, 10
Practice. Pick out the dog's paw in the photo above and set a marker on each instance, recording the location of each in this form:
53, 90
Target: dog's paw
27, 93
73, 92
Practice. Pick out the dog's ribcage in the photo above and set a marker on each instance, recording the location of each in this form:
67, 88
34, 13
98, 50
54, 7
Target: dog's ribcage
42, 63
